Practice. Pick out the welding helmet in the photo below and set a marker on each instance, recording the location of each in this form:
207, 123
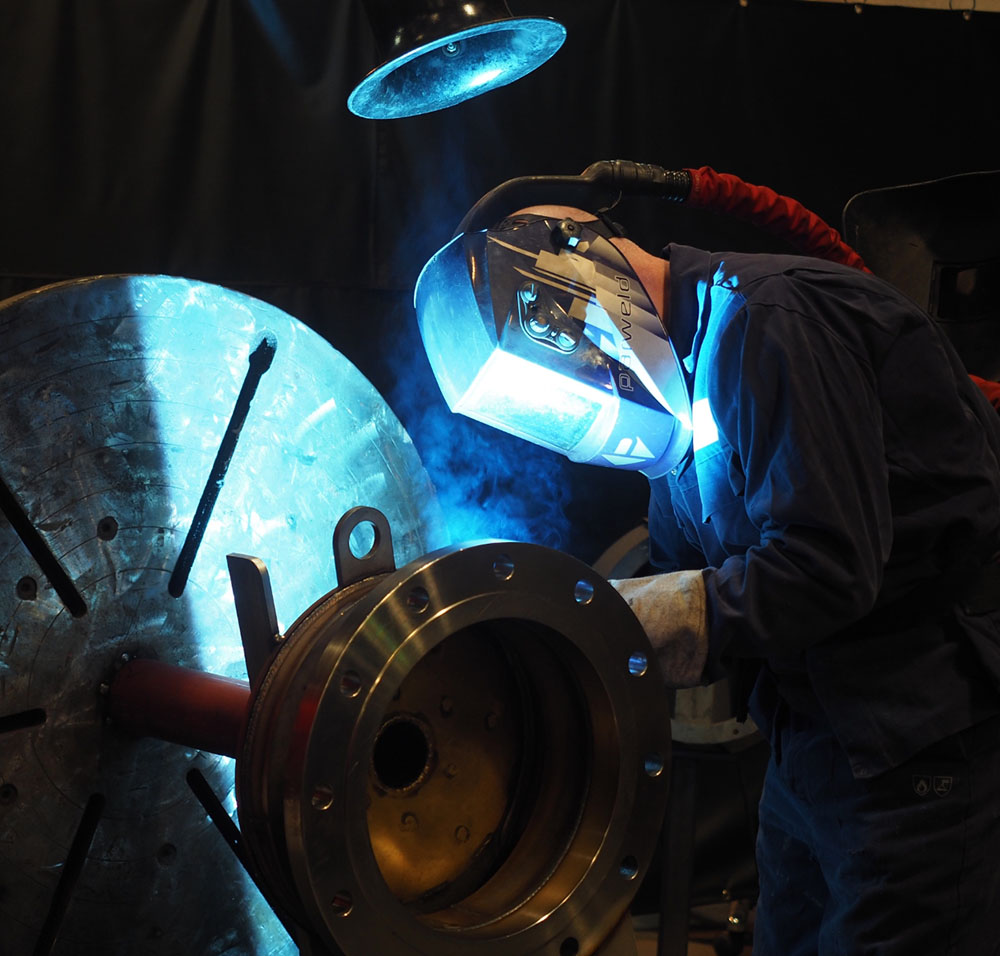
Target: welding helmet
540, 327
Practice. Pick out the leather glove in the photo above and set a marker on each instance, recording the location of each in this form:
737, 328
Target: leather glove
671, 609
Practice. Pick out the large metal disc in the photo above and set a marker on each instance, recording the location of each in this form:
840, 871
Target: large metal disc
148, 427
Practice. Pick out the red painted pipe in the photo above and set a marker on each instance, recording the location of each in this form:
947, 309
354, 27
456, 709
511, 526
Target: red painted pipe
152, 699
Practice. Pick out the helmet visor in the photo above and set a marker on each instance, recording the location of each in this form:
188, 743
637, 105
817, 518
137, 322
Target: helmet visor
544, 343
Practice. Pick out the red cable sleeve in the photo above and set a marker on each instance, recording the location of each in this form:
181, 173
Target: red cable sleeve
990, 389
780, 215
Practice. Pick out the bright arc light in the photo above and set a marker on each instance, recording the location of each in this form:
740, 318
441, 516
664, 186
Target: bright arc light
532, 402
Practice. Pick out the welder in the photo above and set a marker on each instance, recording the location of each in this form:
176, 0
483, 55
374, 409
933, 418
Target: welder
825, 511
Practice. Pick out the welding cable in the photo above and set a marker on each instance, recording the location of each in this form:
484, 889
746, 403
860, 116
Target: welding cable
989, 388
780, 215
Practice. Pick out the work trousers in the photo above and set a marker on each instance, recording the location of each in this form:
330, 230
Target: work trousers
904, 864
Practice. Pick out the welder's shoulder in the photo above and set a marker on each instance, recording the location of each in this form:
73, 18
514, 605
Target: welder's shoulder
793, 309
842, 298
779, 273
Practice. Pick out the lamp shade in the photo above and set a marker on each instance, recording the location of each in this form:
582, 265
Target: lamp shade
438, 53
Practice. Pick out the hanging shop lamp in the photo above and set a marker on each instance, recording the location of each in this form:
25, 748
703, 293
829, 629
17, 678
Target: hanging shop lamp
437, 53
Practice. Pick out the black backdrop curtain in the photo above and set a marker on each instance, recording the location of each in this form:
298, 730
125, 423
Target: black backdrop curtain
211, 139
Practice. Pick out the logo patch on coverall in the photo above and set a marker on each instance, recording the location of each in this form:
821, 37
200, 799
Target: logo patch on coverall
925, 784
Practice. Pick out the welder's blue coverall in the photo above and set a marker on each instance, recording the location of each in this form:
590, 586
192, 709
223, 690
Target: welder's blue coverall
844, 494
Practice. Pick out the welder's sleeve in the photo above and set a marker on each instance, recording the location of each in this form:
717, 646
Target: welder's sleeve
671, 609
799, 400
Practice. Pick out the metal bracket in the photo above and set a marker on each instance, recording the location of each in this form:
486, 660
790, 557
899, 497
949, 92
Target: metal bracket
379, 558
254, 610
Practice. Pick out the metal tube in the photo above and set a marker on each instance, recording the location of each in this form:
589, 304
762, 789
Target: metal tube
148, 698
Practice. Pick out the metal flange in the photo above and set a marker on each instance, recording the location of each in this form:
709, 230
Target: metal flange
470, 752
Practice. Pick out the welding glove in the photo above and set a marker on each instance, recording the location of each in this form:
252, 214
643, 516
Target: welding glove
671, 609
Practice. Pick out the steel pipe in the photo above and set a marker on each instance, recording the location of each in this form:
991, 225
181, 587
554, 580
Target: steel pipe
148, 698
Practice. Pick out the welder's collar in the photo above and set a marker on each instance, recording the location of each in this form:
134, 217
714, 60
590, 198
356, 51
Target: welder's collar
690, 279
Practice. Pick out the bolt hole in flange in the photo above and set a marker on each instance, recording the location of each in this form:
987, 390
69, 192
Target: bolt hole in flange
342, 903
418, 599
638, 664
322, 798
350, 684
503, 567
629, 868
654, 765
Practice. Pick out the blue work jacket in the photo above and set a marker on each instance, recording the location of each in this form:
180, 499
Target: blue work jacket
843, 490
